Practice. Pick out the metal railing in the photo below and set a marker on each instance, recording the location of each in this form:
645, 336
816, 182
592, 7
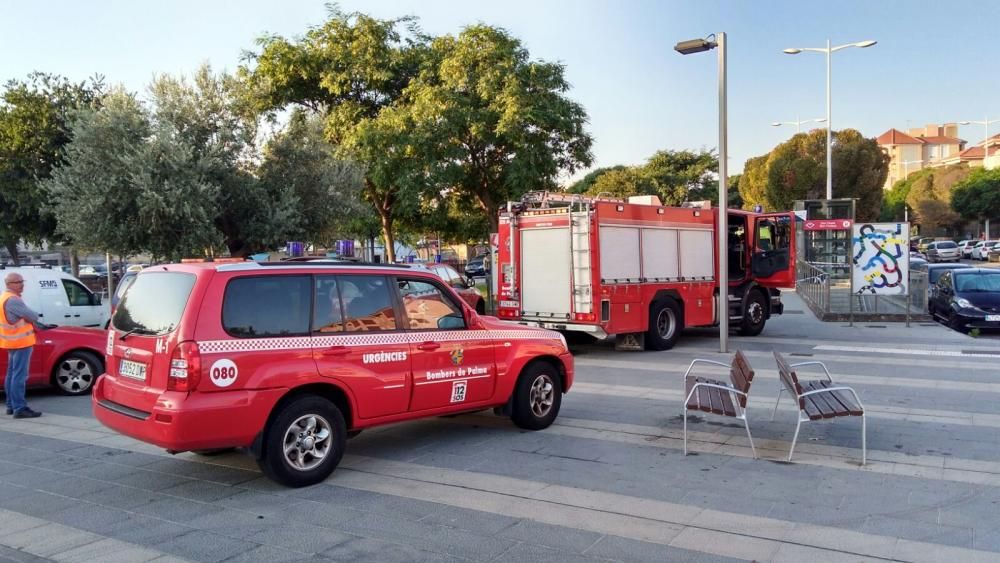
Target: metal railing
831, 299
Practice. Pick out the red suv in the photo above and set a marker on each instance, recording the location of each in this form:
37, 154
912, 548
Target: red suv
290, 359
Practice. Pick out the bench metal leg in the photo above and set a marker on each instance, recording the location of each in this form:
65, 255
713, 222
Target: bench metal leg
685, 429
746, 424
776, 404
795, 438
864, 440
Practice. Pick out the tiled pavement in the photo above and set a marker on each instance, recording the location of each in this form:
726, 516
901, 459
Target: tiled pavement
607, 482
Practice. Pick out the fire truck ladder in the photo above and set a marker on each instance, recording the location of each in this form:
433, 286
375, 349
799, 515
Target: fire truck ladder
548, 200
579, 249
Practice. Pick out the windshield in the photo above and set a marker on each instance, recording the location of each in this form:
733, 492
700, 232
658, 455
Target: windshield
978, 283
947, 245
154, 303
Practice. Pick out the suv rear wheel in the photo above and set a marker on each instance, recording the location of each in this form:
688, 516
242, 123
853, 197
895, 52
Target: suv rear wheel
537, 397
304, 443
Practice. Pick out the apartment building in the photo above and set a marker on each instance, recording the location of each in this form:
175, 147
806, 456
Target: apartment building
931, 145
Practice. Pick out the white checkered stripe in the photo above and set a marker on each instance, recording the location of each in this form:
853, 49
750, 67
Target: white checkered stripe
361, 340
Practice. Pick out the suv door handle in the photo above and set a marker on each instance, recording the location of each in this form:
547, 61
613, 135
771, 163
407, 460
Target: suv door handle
335, 351
428, 346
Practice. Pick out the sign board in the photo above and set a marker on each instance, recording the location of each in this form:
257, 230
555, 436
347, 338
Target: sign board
880, 253
827, 224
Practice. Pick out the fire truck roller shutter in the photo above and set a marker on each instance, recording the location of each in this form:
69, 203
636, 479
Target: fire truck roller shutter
697, 254
620, 262
545, 272
659, 255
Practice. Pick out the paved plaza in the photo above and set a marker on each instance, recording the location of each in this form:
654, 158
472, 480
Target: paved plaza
608, 481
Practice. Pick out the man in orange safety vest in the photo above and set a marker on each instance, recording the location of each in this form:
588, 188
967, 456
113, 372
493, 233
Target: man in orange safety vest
17, 336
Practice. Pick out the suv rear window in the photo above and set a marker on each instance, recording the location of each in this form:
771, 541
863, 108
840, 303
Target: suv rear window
154, 303
947, 244
255, 307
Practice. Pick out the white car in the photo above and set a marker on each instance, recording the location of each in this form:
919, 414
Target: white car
59, 298
980, 250
965, 247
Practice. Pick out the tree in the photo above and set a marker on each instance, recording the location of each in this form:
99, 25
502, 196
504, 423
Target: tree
353, 69
930, 197
494, 123
208, 115
585, 184
796, 170
894, 200
680, 176
127, 187
977, 197
323, 190
34, 116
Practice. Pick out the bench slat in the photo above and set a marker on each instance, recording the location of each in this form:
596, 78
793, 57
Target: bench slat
828, 409
716, 400
727, 402
809, 407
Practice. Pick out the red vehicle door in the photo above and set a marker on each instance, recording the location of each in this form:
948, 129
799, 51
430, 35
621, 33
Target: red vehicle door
356, 340
452, 365
773, 257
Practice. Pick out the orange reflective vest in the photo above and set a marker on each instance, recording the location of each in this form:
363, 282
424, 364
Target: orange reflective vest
14, 336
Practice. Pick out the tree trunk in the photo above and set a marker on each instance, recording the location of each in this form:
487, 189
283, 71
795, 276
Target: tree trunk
490, 207
12, 249
74, 262
387, 235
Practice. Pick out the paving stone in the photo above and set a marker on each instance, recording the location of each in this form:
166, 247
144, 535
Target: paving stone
476, 521
106, 471
11, 555
37, 504
919, 531
74, 487
204, 546
459, 543
318, 514
144, 480
538, 554
298, 536
143, 530
268, 554
107, 550
257, 502
176, 509
379, 551
90, 517
127, 498
369, 501
232, 523
204, 491
204, 471
623, 549
559, 537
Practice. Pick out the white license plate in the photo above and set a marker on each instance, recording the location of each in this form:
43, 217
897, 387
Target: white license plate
510, 304
132, 370
993, 318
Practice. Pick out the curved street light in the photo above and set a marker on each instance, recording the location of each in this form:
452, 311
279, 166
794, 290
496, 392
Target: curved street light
798, 123
829, 51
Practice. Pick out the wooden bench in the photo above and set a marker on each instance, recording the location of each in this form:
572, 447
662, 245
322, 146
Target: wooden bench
718, 397
819, 400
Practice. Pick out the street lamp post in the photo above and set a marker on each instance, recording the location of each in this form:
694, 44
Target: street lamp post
688, 48
798, 123
906, 164
986, 151
829, 51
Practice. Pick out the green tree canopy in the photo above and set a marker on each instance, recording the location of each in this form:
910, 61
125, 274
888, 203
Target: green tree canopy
128, 185
977, 197
930, 195
796, 170
584, 185
34, 129
494, 123
673, 176
353, 69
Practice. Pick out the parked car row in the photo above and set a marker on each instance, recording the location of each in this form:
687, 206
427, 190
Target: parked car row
946, 250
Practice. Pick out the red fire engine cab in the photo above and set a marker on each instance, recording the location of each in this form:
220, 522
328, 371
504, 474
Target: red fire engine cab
637, 269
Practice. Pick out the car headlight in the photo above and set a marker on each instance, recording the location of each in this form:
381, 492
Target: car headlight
965, 303
562, 338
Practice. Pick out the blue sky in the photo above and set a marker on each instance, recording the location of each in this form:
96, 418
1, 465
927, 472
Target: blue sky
934, 62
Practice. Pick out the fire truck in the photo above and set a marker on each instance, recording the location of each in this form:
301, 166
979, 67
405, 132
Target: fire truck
637, 270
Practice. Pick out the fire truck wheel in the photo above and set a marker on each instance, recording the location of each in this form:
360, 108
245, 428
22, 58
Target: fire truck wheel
537, 397
665, 323
754, 315
304, 443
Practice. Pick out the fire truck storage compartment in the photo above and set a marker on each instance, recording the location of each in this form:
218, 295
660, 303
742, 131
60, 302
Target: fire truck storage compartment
620, 262
659, 255
545, 272
697, 254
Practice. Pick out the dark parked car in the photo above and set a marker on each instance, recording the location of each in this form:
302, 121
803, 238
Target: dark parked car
968, 298
934, 272
476, 267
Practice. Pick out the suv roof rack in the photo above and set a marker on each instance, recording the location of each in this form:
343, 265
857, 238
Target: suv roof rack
251, 265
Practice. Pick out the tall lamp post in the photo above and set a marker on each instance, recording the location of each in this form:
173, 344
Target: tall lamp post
986, 150
798, 123
829, 51
722, 235
906, 164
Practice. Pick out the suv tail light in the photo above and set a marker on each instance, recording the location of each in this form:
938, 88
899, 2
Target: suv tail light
185, 367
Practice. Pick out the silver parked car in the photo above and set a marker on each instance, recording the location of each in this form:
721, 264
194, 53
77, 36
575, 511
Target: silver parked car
943, 251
